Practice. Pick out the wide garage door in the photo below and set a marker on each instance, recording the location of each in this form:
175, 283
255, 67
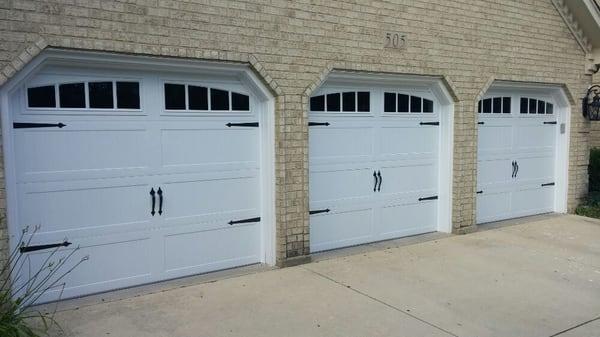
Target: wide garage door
153, 175
516, 156
373, 155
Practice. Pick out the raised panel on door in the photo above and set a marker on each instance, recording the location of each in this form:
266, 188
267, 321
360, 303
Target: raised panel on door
196, 212
406, 217
341, 227
341, 142
207, 145
400, 139
83, 150
493, 205
108, 219
529, 201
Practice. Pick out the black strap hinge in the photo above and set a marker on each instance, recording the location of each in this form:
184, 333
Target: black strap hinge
318, 211
429, 123
548, 184
233, 222
318, 124
429, 198
248, 125
479, 192
38, 125
25, 249
480, 123
553, 122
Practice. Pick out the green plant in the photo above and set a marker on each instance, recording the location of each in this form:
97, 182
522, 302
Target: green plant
594, 170
18, 316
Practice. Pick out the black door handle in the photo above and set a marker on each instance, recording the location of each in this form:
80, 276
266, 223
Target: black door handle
380, 180
513, 169
517, 171
160, 200
375, 185
152, 193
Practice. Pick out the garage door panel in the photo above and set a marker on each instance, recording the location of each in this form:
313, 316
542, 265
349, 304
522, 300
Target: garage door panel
404, 179
533, 201
341, 228
349, 184
494, 172
128, 260
406, 218
340, 143
208, 149
535, 138
92, 207
493, 205
532, 169
82, 152
201, 251
193, 197
407, 141
494, 139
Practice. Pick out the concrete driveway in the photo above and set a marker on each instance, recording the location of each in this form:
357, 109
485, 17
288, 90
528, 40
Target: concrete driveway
538, 278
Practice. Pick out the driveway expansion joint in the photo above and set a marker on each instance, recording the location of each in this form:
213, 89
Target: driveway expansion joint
379, 301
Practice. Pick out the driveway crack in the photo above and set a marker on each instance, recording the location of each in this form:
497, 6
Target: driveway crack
575, 327
380, 301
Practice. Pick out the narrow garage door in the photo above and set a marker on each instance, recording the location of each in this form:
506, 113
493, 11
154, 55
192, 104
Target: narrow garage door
373, 164
516, 156
154, 176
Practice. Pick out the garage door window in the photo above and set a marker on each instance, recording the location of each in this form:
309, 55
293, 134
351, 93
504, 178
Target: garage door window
86, 95
397, 102
348, 101
534, 106
184, 97
494, 105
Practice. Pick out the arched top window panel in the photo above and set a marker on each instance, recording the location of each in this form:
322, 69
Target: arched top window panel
394, 102
182, 97
103, 94
500, 105
533, 106
347, 101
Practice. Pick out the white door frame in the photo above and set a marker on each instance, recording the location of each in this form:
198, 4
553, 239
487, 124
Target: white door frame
265, 109
563, 117
446, 136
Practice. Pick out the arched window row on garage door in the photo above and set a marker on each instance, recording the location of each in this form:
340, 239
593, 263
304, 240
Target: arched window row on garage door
187, 97
536, 106
348, 101
398, 102
123, 95
495, 105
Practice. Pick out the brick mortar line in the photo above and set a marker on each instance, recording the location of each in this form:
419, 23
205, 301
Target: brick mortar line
380, 301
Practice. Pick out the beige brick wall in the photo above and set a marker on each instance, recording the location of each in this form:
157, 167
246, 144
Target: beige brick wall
296, 42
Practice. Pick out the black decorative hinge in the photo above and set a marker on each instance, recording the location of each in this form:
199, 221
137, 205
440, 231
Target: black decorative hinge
480, 123
318, 124
429, 123
25, 249
38, 125
553, 122
232, 222
318, 211
429, 198
248, 125
548, 184
479, 192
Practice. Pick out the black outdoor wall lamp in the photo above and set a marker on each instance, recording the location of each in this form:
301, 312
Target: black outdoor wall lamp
591, 103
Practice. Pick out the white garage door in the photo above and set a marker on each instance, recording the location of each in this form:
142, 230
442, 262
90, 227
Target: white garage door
373, 164
516, 156
153, 175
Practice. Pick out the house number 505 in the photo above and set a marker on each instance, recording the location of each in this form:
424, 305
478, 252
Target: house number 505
395, 41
